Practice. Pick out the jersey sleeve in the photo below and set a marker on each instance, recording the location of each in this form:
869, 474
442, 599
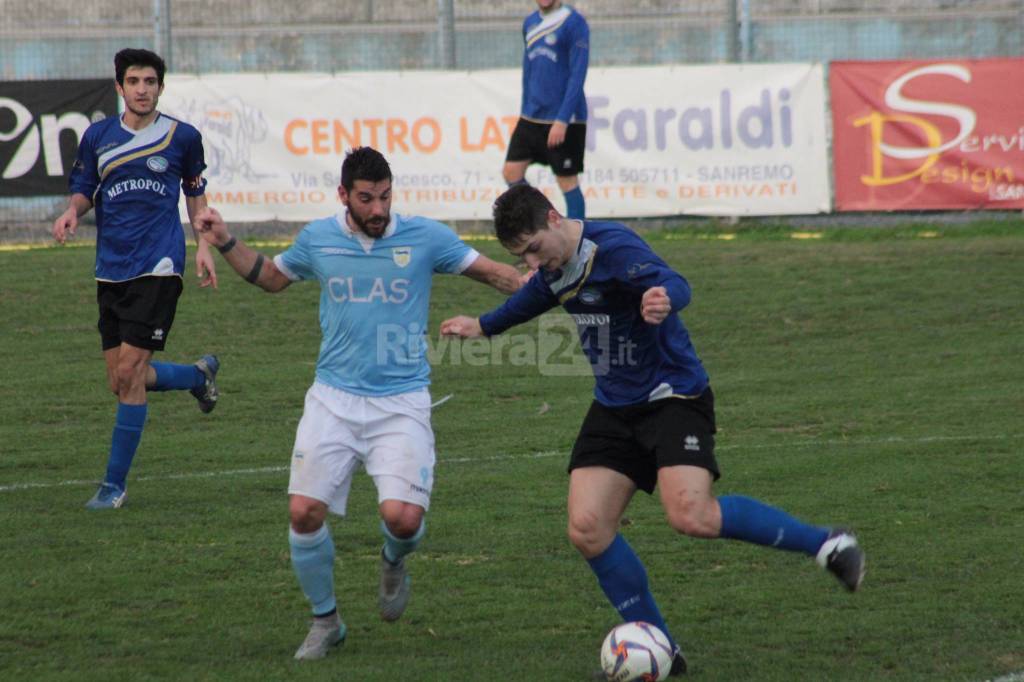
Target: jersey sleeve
579, 59
451, 255
639, 267
533, 299
297, 261
193, 184
85, 177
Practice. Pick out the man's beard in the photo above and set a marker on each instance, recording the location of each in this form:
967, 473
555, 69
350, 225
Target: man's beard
373, 229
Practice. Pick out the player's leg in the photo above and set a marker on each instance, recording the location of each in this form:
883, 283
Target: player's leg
566, 163
605, 470
135, 319
400, 459
525, 147
682, 432
199, 378
323, 463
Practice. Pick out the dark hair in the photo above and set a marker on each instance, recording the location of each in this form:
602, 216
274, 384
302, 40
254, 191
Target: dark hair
364, 163
129, 57
520, 212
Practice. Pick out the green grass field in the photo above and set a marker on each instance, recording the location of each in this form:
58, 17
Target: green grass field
870, 377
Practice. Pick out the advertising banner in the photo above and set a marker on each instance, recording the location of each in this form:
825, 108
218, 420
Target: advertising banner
712, 140
41, 123
943, 134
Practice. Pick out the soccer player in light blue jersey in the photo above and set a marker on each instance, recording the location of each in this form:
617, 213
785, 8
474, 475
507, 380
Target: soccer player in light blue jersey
652, 421
369, 404
129, 168
552, 127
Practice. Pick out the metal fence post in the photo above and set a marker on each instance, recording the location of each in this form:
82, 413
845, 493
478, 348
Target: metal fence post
745, 38
732, 31
162, 30
446, 33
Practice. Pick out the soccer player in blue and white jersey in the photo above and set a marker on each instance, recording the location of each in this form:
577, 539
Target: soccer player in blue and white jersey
130, 168
369, 404
552, 127
652, 421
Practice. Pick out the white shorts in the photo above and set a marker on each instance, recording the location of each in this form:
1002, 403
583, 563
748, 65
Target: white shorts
339, 431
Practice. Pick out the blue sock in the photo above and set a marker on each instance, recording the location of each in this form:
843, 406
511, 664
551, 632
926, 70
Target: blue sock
624, 581
313, 561
575, 206
124, 442
747, 519
171, 377
396, 548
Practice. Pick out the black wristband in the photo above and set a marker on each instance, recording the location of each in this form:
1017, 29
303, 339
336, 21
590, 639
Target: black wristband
257, 267
228, 245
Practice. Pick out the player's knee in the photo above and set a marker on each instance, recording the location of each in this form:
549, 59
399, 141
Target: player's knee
306, 515
511, 174
692, 516
586, 532
403, 521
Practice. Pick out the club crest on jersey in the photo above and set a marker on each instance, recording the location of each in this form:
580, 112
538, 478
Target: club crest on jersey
157, 164
402, 255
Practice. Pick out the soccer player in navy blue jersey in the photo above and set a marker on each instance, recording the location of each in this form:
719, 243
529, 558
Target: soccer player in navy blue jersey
652, 421
552, 127
129, 169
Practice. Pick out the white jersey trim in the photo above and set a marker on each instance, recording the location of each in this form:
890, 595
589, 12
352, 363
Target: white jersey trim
279, 262
467, 261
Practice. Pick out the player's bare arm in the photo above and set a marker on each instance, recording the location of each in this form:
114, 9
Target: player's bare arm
251, 265
67, 222
502, 276
655, 305
205, 269
463, 326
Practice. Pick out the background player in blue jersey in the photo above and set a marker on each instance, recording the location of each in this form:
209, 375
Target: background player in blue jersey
369, 404
552, 127
129, 168
653, 420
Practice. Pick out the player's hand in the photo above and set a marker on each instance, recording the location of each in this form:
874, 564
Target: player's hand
462, 326
205, 270
655, 305
556, 136
64, 227
210, 226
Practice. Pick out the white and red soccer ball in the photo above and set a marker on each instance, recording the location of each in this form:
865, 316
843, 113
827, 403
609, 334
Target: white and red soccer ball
636, 652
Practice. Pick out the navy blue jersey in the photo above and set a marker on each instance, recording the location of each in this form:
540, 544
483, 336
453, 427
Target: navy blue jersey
132, 178
601, 287
555, 66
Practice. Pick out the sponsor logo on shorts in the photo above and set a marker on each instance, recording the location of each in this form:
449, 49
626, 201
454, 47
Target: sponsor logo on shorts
417, 489
158, 334
691, 443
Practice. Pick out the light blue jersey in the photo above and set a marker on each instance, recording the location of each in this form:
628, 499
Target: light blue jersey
374, 298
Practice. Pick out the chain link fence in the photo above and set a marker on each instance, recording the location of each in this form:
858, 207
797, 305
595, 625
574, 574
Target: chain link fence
54, 39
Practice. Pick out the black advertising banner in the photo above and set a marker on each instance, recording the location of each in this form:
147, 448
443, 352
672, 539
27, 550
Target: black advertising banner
41, 123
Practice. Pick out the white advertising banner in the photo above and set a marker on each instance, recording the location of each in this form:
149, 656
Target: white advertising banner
700, 140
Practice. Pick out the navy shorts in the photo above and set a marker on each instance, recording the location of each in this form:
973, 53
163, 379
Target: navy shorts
530, 143
637, 440
138, 312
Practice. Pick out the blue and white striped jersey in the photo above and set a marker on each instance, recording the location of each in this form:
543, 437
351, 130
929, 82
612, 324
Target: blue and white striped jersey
601, 287
555, 66
374, 298
132, 178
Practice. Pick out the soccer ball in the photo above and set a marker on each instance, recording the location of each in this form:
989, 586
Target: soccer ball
636, 651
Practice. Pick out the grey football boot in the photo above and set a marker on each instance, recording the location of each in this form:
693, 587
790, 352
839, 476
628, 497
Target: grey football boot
395, 586
324, 633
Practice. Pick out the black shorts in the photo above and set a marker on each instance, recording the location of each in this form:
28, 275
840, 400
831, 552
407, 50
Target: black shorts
637, 440
138, 312
530, 143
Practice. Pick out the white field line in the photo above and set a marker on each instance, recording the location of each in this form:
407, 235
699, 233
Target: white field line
1012, 677
12, 487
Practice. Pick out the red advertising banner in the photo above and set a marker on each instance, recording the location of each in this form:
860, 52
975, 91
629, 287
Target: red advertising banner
911, 135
